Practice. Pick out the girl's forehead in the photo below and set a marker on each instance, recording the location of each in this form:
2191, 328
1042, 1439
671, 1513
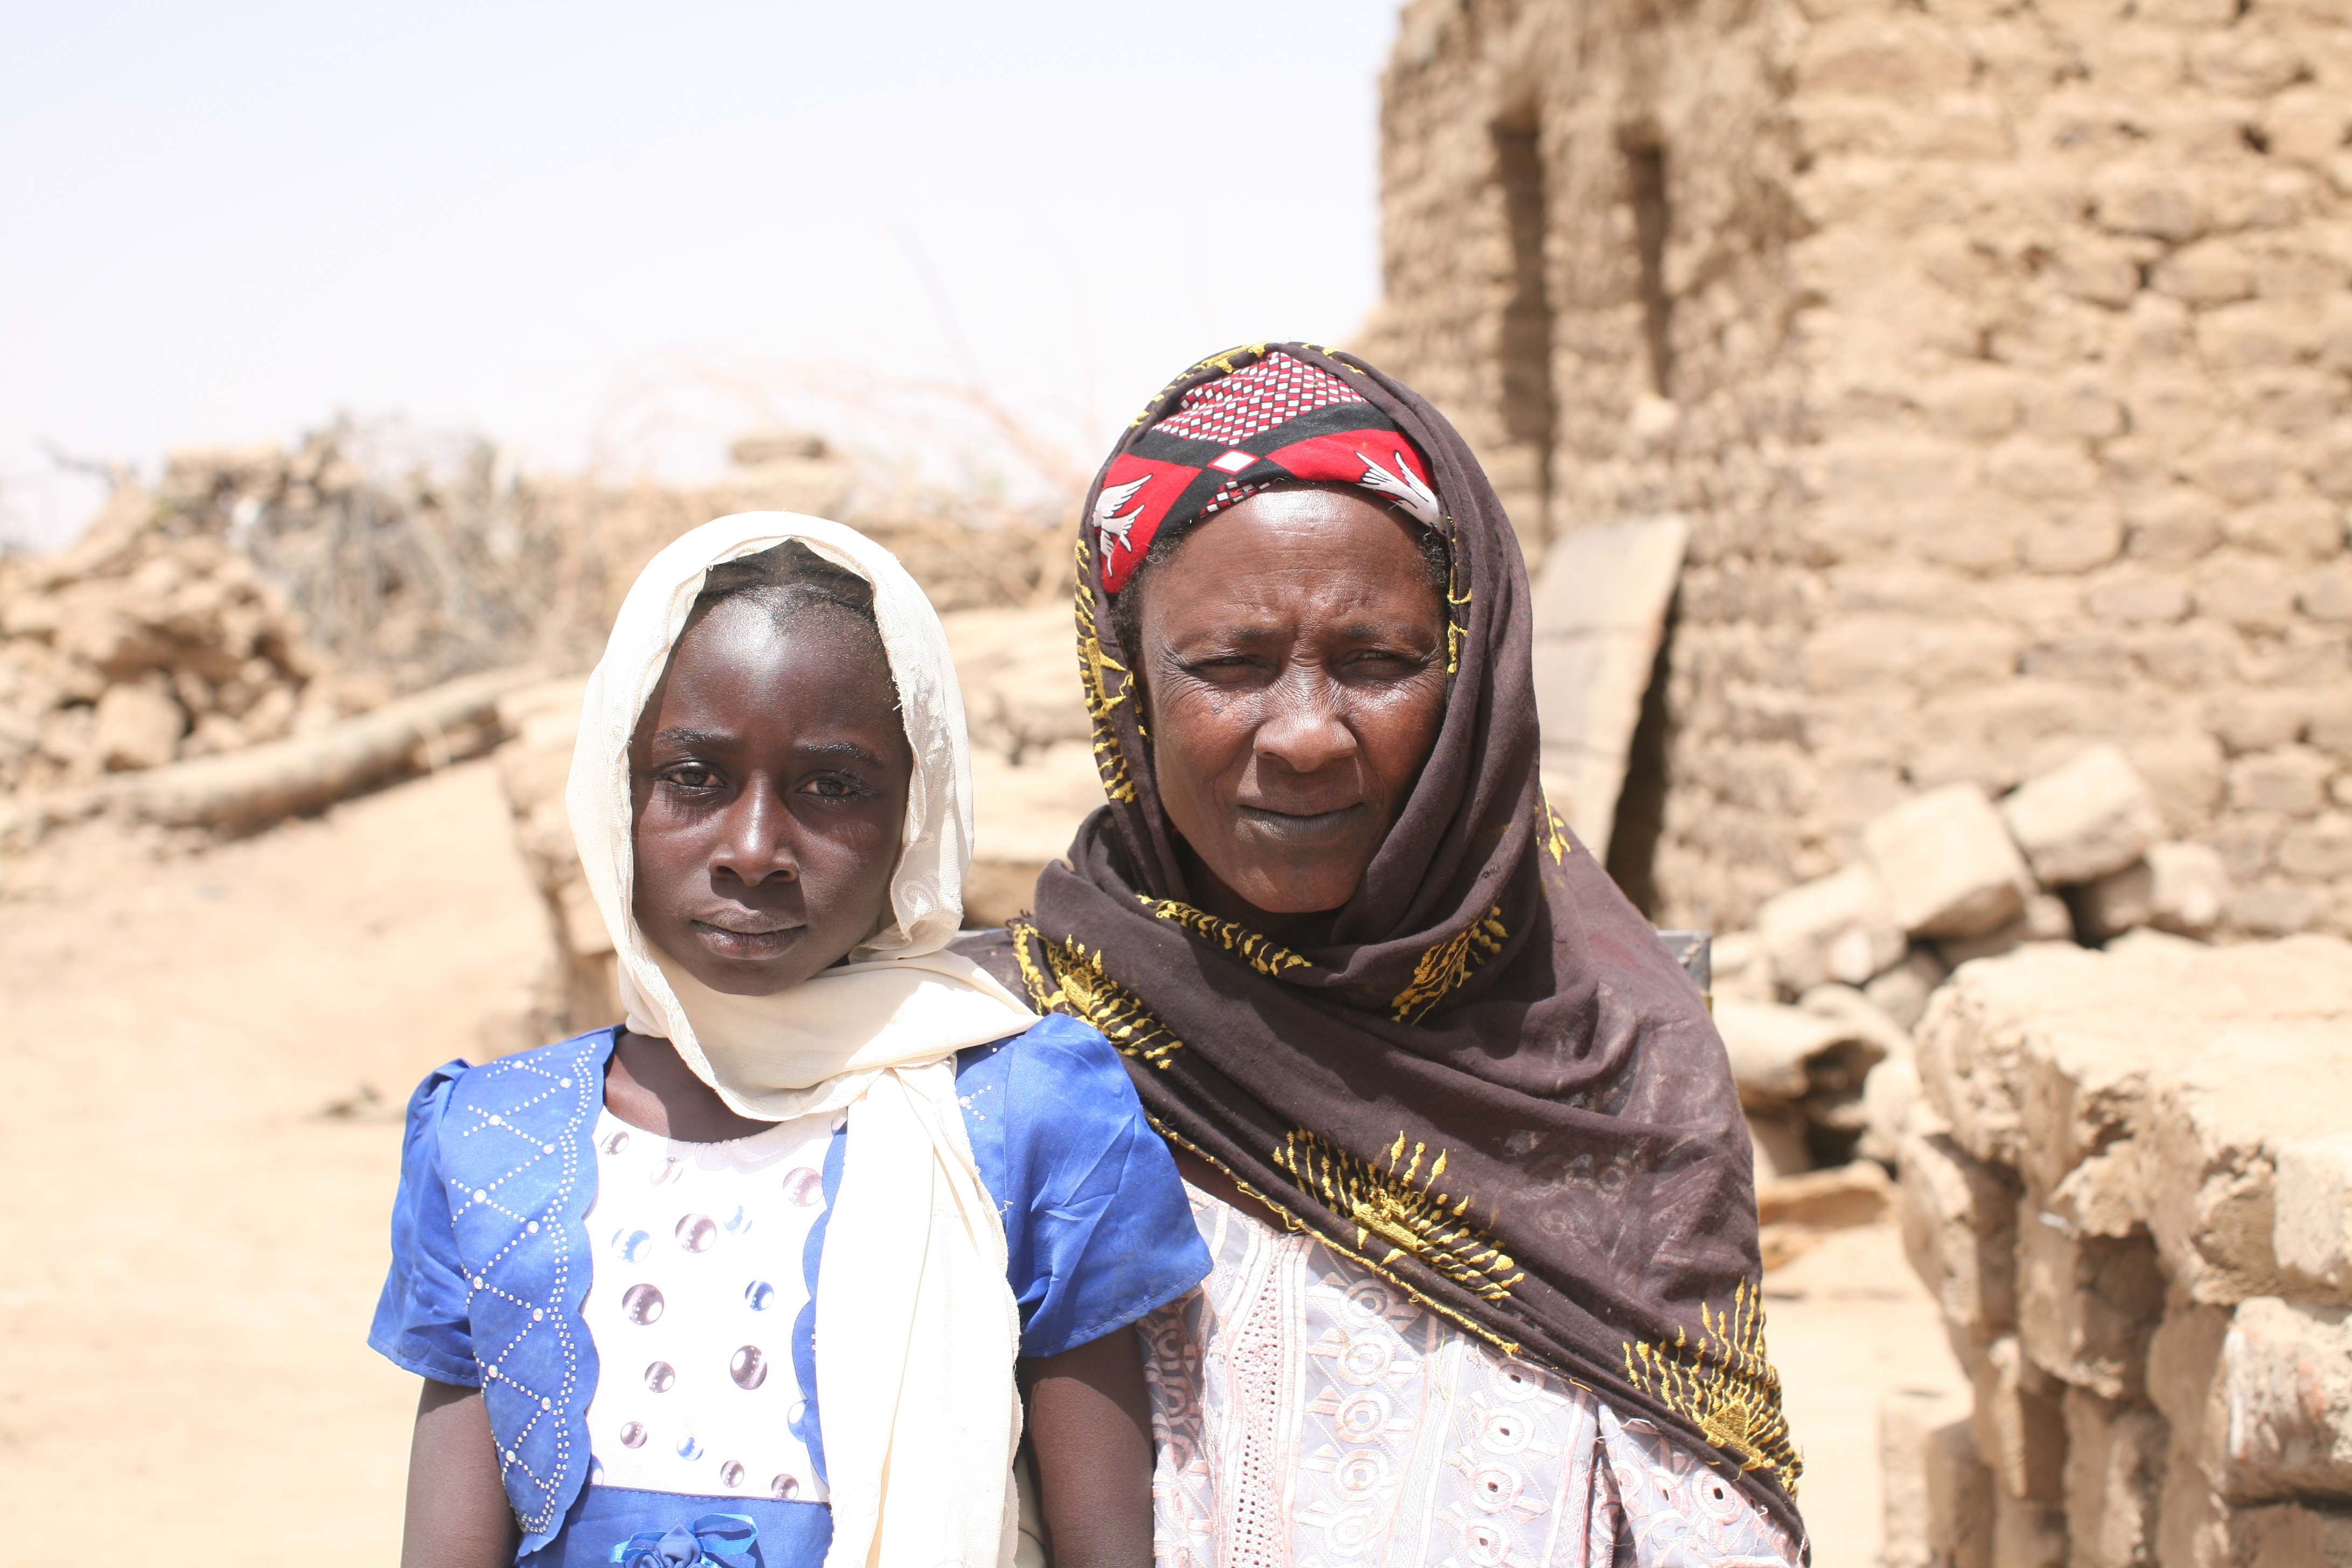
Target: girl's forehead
743, 662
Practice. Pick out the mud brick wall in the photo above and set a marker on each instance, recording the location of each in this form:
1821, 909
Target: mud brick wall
1997, 354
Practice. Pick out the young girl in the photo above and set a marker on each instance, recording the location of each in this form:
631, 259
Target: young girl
744, 1280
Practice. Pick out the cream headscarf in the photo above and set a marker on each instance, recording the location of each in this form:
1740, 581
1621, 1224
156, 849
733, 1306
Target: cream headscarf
916, 1328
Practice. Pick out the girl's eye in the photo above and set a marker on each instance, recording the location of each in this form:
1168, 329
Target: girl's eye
832, 786
692, 775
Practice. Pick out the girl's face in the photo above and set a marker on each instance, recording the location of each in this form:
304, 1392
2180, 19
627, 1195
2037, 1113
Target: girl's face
768, 784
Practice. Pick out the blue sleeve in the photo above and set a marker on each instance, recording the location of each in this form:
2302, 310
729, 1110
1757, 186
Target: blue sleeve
1097, 1229
421, 1322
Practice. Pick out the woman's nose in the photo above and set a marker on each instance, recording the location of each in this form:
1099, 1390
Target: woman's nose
754, 840
1304, 728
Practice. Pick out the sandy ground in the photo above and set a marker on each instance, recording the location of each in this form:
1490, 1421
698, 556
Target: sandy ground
194, 1240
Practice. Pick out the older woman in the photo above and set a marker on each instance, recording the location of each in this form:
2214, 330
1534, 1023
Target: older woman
1460, 1136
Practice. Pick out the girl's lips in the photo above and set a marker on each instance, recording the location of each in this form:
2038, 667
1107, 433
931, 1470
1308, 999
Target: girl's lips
766, 939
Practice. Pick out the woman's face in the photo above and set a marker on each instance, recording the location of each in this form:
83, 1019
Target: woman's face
767, 780
1293, 653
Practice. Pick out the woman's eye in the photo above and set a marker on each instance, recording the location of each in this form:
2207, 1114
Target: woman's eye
1382, 660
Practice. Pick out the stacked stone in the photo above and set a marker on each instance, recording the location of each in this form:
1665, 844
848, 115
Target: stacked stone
2071, 855
145, 643
2129, 1186
1997, 353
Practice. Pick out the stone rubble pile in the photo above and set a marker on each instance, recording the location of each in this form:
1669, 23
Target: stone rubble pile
2128, 1184
2074, 855
148, 641
254, 593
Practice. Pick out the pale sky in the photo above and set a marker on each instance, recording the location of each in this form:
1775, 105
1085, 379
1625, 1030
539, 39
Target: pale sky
594, 231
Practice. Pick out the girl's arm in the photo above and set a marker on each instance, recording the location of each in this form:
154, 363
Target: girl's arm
458, 1511
1090, 1428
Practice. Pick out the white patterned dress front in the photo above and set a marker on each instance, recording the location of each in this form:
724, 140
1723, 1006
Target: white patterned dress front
1310, 1414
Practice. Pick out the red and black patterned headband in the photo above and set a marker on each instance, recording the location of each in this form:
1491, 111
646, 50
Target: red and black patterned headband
1277, 418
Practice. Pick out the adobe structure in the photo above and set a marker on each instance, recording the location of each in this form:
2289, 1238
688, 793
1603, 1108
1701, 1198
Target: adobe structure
1995, 354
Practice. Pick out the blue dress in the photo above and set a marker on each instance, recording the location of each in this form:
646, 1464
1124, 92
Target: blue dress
491, 1264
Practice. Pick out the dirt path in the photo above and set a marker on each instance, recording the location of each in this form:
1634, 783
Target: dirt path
192, 1249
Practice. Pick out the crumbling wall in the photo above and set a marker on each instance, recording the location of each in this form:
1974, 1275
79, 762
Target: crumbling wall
145, 644
1997, 354
254, 592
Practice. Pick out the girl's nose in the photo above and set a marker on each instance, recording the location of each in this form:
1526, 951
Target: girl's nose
754, 840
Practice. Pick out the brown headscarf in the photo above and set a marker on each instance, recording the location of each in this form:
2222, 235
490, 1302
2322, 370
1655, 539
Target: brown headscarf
1486, 1079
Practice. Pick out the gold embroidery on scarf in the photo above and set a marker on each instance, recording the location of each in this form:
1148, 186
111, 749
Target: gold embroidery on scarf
1110, 759
1455, 629
1555, 831
1291, 1222
1080, 986
1402, 1206
1257, 952
1099, 1000
1724, 1385
1444, 968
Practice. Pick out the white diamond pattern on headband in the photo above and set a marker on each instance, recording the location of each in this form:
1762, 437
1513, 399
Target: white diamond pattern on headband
1254, 399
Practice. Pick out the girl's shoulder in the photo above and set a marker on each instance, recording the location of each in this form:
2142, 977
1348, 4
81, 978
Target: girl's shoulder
547, 1074
1057, 1062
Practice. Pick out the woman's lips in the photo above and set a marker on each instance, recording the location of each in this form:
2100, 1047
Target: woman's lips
1303, 828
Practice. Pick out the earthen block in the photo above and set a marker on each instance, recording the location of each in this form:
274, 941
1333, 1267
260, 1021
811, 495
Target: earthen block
1890, 1096
2290, 780
2289, 1535
2189, 888
2090, 817
2286, 1373
1959, 1217
2044, 918
1910, 1422
1903, 991
2319, 851
2120, 901
2311, 1217
2021, 1426
2178, 888
1839, 927
1949, 866
138, 726
2028, 1533
1960, 1488
2115, 1467
1780, 1055
2247, 1089
2086, 1305
1841, 1196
